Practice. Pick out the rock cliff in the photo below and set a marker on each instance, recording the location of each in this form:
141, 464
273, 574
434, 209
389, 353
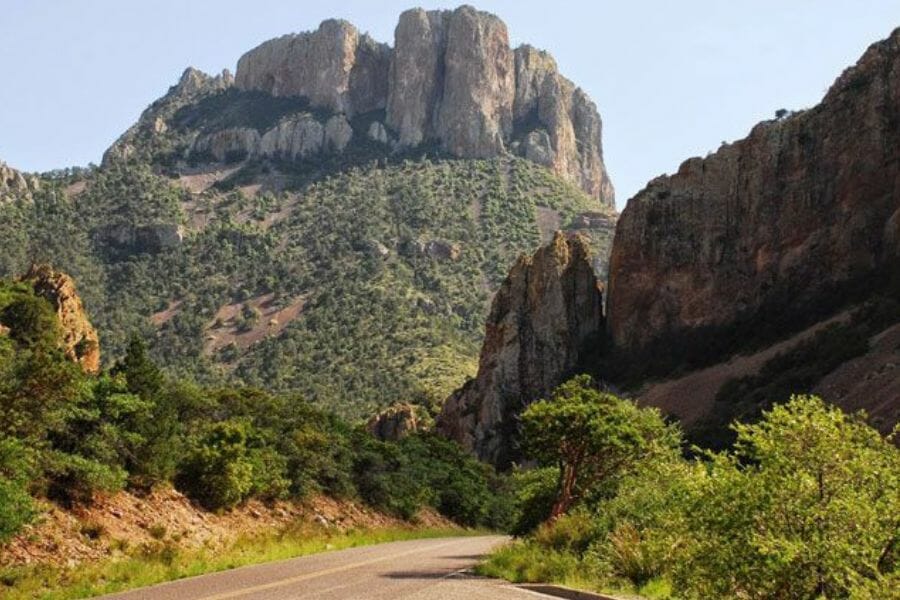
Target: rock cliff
79, 338
775, 230
451, 79
541, 320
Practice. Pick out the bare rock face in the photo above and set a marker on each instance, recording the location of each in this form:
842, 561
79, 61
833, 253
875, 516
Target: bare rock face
569, 129
416, 77
783, 224
541, 319
337, 133
298, 137
452, 80
475, 114
226, 144
395, 423
335, 67
80, 341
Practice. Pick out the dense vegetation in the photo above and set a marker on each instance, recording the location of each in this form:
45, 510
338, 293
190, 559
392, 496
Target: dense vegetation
388, 269
806, 505
66, 436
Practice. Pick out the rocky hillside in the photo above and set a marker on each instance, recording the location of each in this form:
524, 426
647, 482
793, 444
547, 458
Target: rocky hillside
769, 268
451, 83
337, 236
542, 320
777, 228
796, 227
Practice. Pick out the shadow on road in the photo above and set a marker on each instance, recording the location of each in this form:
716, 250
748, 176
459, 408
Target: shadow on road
431, 575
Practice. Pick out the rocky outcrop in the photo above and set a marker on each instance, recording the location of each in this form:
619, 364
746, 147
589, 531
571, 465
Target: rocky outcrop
773, 230
451, 79
126, 240
541, 320
296, 137
79, 338
395, 422
568, 139
335, 67
293, 138
14, 184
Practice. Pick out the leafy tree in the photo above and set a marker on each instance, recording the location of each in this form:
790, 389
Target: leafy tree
590, 436
807, 506
226, 466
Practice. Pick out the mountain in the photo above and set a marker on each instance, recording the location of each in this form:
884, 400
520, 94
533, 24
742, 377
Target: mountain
451, 83
768, 268
326, 221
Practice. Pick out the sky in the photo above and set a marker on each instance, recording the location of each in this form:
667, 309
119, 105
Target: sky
671, 79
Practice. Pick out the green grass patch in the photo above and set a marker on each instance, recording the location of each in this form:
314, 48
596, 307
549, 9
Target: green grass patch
164, 561
529, 562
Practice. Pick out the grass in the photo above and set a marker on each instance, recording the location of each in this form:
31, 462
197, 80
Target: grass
163, 561
526, 562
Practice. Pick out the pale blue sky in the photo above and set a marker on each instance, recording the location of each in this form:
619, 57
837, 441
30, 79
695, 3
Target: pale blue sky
672, 79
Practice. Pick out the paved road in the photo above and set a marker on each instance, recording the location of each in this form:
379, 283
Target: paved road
415, 570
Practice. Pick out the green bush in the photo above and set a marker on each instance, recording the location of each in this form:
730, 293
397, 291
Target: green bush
218, 472
16, 471
807, 505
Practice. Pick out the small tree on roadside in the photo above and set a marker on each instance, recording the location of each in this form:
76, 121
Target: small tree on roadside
591, 436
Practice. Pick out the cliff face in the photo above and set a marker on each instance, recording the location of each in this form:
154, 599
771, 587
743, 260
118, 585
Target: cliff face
778, 226
335, 67
80, 341
451, 79
541, 318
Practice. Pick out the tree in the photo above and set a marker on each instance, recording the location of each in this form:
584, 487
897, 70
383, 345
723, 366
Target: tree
592, 437
807, 506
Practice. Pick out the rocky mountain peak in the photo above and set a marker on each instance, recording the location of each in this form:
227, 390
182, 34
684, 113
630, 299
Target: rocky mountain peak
79, 338
450, 79
194, 81
542, 317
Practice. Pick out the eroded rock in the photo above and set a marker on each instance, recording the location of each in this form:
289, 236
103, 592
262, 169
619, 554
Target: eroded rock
79, 338
541, 319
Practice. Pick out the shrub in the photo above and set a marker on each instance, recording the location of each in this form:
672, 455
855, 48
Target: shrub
218, 472
16, 469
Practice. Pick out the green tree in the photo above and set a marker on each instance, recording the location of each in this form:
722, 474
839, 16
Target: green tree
591, 436
156, 458
807, 506
16, 471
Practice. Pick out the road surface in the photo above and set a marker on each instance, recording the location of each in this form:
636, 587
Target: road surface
416, 570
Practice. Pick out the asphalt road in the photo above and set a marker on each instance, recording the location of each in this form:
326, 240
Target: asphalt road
416, 570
